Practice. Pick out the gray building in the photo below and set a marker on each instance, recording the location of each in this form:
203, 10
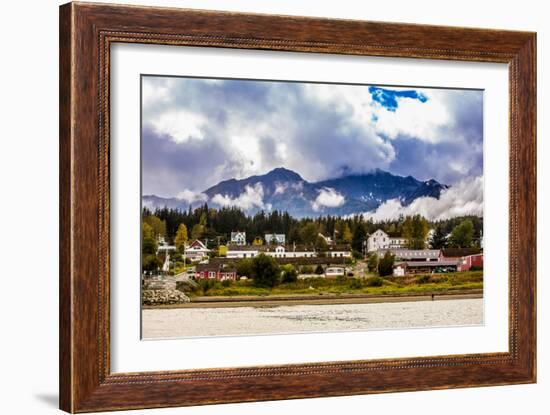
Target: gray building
275, 238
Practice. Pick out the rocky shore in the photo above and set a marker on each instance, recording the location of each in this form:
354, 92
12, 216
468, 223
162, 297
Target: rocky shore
163, 297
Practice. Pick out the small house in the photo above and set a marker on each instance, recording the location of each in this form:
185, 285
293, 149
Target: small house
196, 251
292, 251
238, 238
275, 238
339, 251
216, 271
243, 251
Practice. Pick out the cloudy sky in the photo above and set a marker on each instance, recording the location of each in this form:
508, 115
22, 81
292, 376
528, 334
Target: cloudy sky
197, 132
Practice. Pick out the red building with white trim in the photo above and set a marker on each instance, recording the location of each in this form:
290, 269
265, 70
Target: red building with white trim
467, 262
220, 272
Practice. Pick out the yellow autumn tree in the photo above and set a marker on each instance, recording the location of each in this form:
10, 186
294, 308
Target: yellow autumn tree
181, 237
346, 234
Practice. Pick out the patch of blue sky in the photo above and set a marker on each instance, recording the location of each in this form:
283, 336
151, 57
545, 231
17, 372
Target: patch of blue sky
389, 98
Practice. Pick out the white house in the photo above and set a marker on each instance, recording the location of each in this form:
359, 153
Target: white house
295, 251
339, 251
381, 240
238, 238
197, 251
275, 238
282, 251
243, 251
378, 240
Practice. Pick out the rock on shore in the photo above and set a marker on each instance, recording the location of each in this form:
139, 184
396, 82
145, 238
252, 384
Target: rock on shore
164, 296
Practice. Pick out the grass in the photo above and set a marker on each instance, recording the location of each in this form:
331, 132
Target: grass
318, 286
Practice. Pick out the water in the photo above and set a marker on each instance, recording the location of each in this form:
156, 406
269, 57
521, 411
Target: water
192, 322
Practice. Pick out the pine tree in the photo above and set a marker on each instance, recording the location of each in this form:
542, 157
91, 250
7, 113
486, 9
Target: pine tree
309, 233
373, 262
358, 238
439, 238
385, 267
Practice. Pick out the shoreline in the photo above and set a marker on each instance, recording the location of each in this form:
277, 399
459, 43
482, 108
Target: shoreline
325, 299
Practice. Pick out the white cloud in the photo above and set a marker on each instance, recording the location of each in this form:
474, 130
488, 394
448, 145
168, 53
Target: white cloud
464, 198
149, 204
252, 197
156, 91
189, 196
328, 197
413, 118
180, 125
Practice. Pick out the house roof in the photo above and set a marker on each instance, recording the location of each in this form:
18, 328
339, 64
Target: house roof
246, 248
412, 253
216, 266
459, 252
378, 230
288, 248
197, 244
341, 247
282, 261
291, 248
394, 234
434, 264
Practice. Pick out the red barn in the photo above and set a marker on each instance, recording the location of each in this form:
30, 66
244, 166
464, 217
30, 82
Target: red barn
467, 262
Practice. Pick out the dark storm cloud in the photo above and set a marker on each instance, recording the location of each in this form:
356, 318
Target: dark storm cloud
426, 161
169, 168
457, 156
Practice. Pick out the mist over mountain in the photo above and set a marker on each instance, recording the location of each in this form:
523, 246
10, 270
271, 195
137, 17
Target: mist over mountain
285, 190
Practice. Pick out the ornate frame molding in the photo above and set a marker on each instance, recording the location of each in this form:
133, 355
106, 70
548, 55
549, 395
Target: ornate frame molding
87, 31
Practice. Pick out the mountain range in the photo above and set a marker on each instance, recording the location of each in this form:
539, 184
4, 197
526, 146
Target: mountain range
285, 190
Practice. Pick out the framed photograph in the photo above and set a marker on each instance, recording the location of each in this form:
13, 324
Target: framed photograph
259, 207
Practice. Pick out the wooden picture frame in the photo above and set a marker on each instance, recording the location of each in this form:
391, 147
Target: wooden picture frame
86, 33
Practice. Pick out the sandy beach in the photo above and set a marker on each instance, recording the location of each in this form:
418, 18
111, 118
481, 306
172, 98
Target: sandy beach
227, 321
